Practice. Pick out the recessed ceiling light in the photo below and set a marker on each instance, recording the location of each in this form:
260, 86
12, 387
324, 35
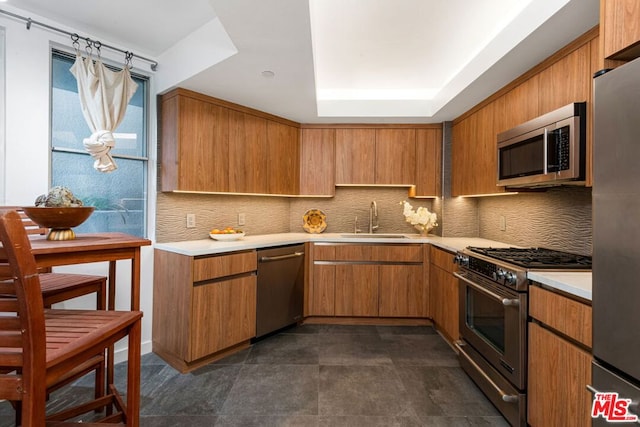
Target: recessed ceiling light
268, 74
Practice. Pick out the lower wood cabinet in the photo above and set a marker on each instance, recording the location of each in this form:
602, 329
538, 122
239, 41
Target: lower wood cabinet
367, 280
443, 288
559, 360
202, 306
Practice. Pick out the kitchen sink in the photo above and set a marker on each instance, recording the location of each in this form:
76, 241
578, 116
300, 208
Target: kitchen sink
374, 236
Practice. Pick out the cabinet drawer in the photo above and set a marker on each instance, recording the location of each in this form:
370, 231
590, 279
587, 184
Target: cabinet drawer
442, 259
223, 265
399, 253
563, 314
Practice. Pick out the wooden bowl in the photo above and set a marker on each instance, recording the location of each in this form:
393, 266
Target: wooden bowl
59, 219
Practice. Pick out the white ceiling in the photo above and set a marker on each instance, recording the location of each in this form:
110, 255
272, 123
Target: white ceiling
368, 60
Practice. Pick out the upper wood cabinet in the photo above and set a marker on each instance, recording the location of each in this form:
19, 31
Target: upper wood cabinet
195, 145
317, 162
428, 178
369, 156
210, 145
355, 156
283, 158
620, 28
563, 78
395, 156
517, 106
474, 162
247, 153
567, 80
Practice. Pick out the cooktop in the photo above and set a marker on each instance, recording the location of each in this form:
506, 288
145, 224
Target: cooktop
537, 258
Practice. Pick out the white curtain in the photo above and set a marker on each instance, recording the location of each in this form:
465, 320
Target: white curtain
104, 96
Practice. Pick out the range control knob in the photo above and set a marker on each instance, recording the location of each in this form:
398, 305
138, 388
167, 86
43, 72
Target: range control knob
461, 260
510, 278
499, 275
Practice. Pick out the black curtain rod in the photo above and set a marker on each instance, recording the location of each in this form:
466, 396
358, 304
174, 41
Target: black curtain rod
29, 21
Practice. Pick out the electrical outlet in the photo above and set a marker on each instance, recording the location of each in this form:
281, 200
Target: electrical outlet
241, 219
503, 223
191, 220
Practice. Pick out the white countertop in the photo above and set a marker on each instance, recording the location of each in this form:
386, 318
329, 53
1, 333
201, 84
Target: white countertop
574, 283
210, 246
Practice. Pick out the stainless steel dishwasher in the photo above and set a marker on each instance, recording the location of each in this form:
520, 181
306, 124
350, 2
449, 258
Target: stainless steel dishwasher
280, 288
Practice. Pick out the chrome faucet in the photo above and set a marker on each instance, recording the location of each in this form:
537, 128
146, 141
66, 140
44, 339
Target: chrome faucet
373, 217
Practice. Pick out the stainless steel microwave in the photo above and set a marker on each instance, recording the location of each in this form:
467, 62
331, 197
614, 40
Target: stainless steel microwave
548, 150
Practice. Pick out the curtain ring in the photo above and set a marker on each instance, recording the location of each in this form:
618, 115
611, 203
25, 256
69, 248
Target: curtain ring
74, 42
97, 44
29, 21
88, 48
127, 59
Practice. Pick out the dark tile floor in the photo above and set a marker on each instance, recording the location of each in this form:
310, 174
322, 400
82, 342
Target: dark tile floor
313, 375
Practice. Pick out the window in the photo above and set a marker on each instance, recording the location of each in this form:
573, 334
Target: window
3, 117
120, 197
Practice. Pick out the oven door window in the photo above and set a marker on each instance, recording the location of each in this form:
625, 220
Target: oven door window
485, 316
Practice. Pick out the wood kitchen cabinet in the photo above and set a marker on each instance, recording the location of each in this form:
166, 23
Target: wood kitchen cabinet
247, 153
395, 156
561, 79
620, 29
474, 156
428, 179
443, 289
559, 360
317, 162
566, 81
210, 145
203, 307
355, 156
367, 280
195, 136
283, 158
371, 156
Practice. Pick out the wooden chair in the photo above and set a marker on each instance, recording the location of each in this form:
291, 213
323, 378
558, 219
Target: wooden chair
41, 347
58, 287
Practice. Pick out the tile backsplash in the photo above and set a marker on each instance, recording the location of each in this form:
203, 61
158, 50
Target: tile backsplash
559, 218
267, 215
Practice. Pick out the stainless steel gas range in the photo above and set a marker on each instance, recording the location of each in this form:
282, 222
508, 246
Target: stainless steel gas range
493, 318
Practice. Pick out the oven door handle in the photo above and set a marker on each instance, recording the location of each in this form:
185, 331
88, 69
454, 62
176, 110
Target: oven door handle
505, 301
509, 398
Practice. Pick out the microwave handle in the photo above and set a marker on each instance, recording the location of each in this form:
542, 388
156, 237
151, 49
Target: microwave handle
545, 143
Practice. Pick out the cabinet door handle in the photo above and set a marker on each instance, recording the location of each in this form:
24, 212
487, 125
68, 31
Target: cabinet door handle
280, 257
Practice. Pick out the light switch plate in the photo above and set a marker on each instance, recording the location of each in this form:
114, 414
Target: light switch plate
191, 220
503, 223
241, 219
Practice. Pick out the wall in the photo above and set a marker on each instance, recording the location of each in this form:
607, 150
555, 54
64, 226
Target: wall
268, 215
559, 218
26, 164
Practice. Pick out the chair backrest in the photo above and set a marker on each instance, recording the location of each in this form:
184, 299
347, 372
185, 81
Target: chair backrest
22, 326
30, 226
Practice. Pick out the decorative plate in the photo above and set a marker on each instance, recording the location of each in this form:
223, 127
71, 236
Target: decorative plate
314, 221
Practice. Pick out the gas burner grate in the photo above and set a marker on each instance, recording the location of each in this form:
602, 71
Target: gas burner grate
540, 258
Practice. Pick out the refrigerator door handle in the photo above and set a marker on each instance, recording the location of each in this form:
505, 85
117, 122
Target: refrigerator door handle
591, 389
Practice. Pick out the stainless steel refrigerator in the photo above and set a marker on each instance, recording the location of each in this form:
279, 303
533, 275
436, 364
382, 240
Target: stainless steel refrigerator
616, 242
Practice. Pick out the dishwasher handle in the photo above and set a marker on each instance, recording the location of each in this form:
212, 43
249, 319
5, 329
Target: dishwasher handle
280, 257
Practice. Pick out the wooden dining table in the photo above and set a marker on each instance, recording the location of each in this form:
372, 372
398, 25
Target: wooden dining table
94, 247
